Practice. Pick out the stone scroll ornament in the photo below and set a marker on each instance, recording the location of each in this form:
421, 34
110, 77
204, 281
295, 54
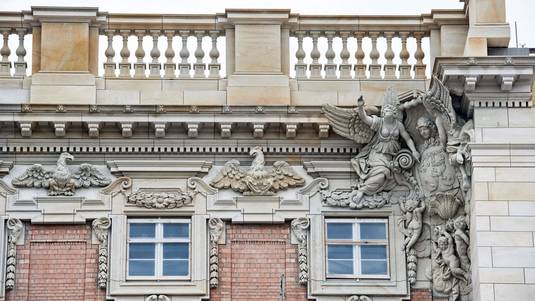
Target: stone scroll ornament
300, 230
157, 298
62, 180
15, 228
100, 228
257, 179
216, 226
415, 155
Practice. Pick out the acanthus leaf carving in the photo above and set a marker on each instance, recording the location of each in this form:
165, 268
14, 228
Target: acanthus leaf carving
160, 199
15, 228
61, 180
216, 227
300, 228
257, 179
100, 227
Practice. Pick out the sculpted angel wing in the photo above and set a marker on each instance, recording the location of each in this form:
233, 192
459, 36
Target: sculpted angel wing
231, 176
35, 176
284, 176
437, 101
346, 123
88, 175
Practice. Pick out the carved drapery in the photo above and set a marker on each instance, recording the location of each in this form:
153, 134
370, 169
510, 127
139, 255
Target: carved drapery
300, 228
15, 228
215, 226
100, 228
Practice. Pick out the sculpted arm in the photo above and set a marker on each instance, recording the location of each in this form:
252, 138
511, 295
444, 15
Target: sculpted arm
362, 114
409, 142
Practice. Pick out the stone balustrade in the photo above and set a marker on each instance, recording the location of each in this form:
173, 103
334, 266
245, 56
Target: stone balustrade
12, 29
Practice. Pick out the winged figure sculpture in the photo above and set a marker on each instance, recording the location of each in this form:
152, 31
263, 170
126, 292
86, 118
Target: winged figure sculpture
61, 180
257, 179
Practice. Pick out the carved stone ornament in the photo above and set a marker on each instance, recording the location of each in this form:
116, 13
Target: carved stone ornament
15, 227
61, 180
359, 298
415, 155
160, 200
257, 179
216, 226
300, 230
157, 298
100, 228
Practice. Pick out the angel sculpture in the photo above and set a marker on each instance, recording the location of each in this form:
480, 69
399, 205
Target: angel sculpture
258, 179
61, 181
374, 162
411, 223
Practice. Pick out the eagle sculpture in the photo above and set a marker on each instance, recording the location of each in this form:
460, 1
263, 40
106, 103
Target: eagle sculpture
61, 181
257, 179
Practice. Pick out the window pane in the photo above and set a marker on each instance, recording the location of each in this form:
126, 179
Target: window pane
340, 267
373, 252
373, 267
175, 267
143, 230
175, 230
372, 231
175, 250
141, 267
339, 231
141, 251
340, 252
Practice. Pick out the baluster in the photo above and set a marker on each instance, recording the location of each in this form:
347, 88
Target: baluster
169, 67
5, 64
199, 67
389, 67
360, 67
300, 66
419, 67
139, 65
345, 67
214, 67
155, 67
124, 65
404, 68
375, 67
20, 64
315, 66
330, 67
184, 67
109, 65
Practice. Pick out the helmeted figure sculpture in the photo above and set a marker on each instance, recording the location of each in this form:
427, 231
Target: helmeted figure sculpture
414, 155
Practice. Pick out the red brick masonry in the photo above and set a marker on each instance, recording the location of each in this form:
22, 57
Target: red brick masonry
56, 262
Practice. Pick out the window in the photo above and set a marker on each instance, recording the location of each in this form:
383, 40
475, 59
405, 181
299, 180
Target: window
357, 248
158, 248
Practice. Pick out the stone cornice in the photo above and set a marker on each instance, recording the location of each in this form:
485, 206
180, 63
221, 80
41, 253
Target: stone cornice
159, 168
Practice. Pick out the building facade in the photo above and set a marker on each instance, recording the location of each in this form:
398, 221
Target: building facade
327, 162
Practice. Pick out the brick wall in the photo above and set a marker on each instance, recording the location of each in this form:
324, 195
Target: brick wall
251, 262
56, 262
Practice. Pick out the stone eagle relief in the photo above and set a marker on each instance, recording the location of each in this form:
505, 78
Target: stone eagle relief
61, 180
415, 155
257, 179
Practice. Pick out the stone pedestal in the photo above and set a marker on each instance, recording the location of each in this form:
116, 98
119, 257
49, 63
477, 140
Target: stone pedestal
488, 27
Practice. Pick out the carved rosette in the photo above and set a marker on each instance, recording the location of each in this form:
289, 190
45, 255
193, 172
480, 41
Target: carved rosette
160, 200
100, 228
300, 230
215, 226
15, 228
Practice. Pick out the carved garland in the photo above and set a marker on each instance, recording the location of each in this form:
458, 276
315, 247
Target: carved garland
216, 226
100, 227
15, 227
160, 200
300, 230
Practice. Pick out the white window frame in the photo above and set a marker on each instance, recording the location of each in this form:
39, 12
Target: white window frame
159, 240
356, 242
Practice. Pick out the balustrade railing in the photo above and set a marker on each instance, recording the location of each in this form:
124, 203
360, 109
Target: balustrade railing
13, 60
164, 60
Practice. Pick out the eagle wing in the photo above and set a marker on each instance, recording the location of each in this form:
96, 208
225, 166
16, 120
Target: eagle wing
88, 175
346, 123
437, 101
284, 176
231, 176
34, 177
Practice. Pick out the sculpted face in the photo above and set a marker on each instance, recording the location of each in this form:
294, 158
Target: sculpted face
425, 132
442, 243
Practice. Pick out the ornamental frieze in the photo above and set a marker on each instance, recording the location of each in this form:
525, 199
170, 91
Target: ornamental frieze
160, 199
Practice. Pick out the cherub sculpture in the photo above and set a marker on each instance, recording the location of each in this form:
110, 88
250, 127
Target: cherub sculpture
411, 223
61, 181
374, 162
